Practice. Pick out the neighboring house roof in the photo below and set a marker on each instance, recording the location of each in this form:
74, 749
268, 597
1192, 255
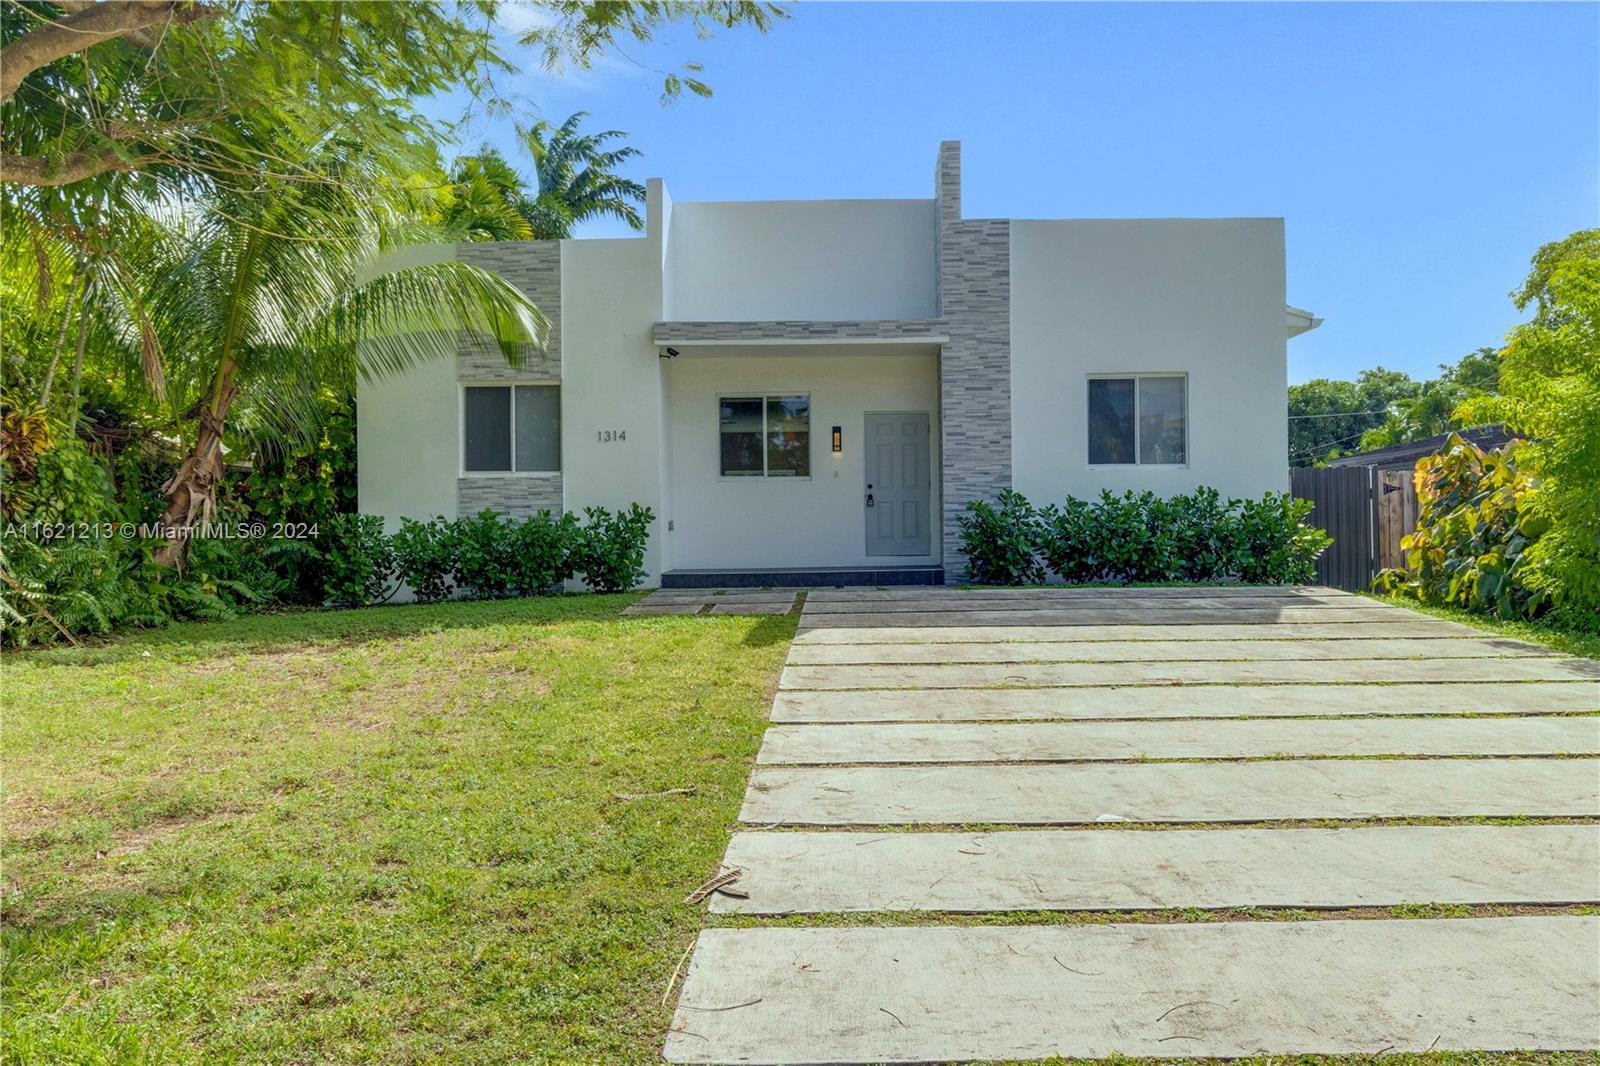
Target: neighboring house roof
1405, 456
1301, 321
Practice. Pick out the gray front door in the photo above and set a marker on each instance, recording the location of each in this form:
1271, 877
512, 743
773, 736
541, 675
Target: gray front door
899, 484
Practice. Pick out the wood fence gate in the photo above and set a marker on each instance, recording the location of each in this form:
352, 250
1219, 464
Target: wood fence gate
1366, 511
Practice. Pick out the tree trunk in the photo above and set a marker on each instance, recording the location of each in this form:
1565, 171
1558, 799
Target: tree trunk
77, 368
61, 337
192, 491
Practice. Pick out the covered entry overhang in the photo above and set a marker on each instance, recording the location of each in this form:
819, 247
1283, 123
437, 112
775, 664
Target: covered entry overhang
792, 332
801, 452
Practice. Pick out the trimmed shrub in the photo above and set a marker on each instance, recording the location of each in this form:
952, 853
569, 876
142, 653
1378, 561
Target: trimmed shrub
1069, 541
484, 554
1478, 518
609, 548
1208, 546
1275, 546
1001, 543
424, 557
358, 560
542, 549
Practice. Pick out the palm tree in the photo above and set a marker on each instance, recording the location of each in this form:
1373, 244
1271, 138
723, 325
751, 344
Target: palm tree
486, 200
577, 178
264, 296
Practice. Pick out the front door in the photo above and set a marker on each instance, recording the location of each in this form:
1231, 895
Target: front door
899, 484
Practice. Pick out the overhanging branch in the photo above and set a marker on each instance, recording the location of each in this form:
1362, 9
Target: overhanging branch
37, 170
85, 27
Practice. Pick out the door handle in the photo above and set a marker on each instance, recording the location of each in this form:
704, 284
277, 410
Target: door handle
869, 500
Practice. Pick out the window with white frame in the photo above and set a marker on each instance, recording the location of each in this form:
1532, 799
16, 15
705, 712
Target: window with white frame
1139, 418
511, 429
765, 436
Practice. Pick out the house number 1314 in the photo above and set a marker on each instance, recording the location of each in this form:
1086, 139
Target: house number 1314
606, 436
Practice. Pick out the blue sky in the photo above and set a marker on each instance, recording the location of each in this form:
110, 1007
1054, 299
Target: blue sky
1419, 153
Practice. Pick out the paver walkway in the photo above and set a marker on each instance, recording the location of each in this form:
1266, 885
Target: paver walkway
1174, 749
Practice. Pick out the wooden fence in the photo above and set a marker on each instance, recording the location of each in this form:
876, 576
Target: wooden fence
1366, 511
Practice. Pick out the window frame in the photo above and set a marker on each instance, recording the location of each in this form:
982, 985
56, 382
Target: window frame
765, 396
1135, 377
461, 421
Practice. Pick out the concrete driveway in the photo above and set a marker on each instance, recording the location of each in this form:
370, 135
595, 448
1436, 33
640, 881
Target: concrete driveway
1270, 754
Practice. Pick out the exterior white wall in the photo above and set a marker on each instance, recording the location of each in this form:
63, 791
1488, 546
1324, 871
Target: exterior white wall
820, 259
1203, 297
758, 522
611, 380
407, 428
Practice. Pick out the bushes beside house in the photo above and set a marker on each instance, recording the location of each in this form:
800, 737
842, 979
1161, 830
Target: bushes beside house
94, 580
1142, 538
489, 556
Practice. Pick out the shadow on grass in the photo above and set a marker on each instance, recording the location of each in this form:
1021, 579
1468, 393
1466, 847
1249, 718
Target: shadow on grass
298, 629
771, 629
288, 629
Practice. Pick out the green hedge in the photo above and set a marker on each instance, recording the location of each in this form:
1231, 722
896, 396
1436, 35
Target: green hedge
1142, 537
96, 584
489, 556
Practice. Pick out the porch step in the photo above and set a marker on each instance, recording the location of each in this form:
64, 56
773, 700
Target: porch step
803, 577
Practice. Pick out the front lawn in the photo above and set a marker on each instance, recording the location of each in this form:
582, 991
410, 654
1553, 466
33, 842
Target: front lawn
395, 835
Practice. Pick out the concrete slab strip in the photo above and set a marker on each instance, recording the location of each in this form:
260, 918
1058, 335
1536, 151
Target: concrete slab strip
1081, 592
1066, 869
977, 601
1078, 793
1082, 616
803, 745
1228, 989
711, 594
1211, 701
1183, 673
1162, 651
752, 608
1420, 627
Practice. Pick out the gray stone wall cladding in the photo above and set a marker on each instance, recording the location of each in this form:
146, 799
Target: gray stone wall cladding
534, 267
517, 497
684, 332
975, 364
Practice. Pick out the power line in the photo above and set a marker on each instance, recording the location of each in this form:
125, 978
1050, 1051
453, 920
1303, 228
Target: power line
1342, 414
1325, 445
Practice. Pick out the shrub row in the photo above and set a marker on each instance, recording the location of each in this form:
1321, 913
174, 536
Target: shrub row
96, 584
1198, 537
487, 556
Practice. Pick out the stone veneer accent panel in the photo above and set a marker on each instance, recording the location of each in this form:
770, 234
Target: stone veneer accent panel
975, 365
534, 267
684, 332
518, 497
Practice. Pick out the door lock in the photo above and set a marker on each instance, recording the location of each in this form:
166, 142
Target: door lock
869, 496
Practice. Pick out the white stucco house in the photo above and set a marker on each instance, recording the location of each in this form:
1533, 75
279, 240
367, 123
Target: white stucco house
812, 391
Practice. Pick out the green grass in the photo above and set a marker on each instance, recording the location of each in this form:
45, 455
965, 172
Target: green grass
386, 836
1584, 643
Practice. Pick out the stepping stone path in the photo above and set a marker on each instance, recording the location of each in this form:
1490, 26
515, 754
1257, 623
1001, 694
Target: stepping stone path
965, 752
716, 601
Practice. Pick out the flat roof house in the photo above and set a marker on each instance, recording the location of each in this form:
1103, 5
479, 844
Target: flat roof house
823, 385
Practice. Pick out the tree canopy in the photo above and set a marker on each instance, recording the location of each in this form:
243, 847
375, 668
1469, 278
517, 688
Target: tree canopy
1328, 418
1549, 392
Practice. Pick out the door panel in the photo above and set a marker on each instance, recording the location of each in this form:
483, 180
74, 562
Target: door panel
899, 484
